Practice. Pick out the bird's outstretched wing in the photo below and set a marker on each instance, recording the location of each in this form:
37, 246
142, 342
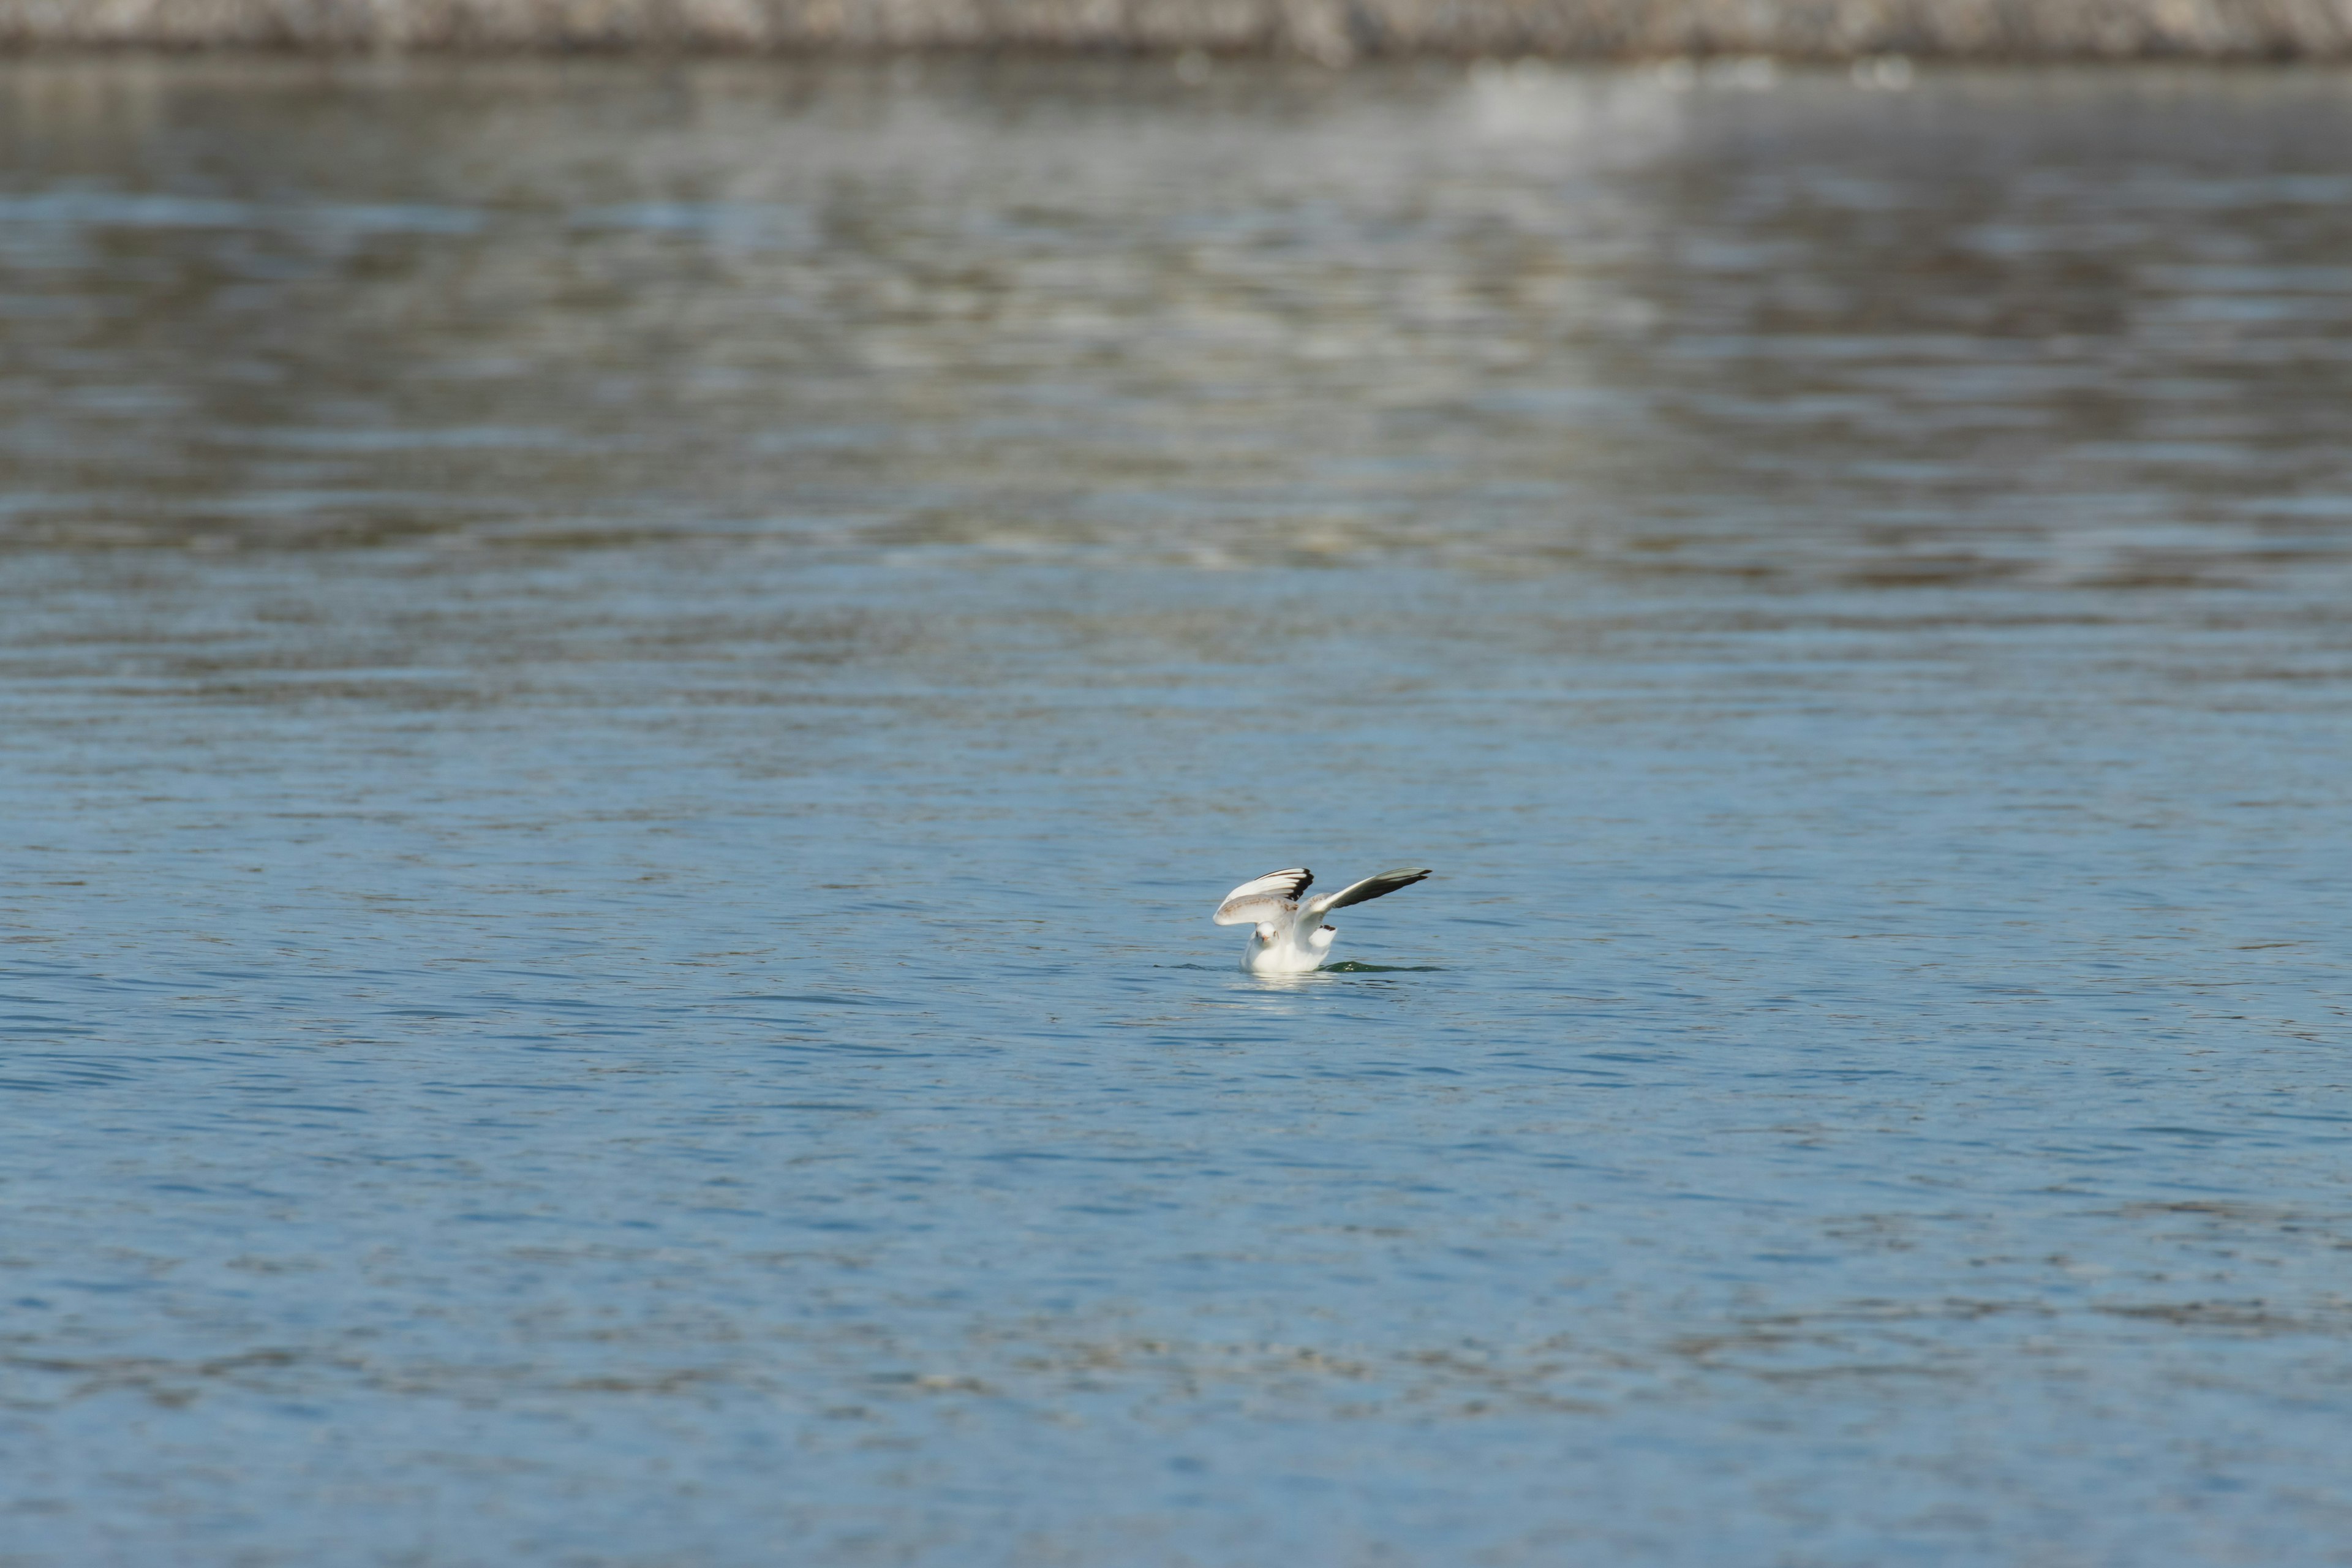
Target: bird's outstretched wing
1276, 893
1379, 887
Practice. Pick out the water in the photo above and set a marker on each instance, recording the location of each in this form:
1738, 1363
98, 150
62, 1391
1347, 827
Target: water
626, 690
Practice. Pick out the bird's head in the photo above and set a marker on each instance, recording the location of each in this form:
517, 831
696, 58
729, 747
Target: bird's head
1265, 931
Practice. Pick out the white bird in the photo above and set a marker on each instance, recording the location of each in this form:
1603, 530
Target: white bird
1291, 938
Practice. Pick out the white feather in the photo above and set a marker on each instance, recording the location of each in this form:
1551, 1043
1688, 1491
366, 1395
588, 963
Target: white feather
1271, 896
1290, 937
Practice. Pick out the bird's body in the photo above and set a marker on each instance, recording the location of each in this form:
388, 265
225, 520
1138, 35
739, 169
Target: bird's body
1290, 937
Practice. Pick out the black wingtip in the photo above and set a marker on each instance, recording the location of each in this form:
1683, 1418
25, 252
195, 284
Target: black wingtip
1379, 886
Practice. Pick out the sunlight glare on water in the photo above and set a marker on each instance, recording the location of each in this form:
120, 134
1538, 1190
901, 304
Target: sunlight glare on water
626, 690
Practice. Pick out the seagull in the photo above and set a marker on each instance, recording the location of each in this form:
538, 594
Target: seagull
1291, 938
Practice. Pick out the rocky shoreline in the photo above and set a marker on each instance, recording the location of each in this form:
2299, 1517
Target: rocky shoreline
1332, 31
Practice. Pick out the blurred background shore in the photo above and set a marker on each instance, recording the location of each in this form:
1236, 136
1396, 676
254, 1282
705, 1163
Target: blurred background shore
1333, 32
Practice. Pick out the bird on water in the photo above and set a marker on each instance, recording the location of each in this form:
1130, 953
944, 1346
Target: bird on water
1291, 938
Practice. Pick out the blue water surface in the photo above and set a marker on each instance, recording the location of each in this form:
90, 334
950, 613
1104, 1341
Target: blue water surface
626, 689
